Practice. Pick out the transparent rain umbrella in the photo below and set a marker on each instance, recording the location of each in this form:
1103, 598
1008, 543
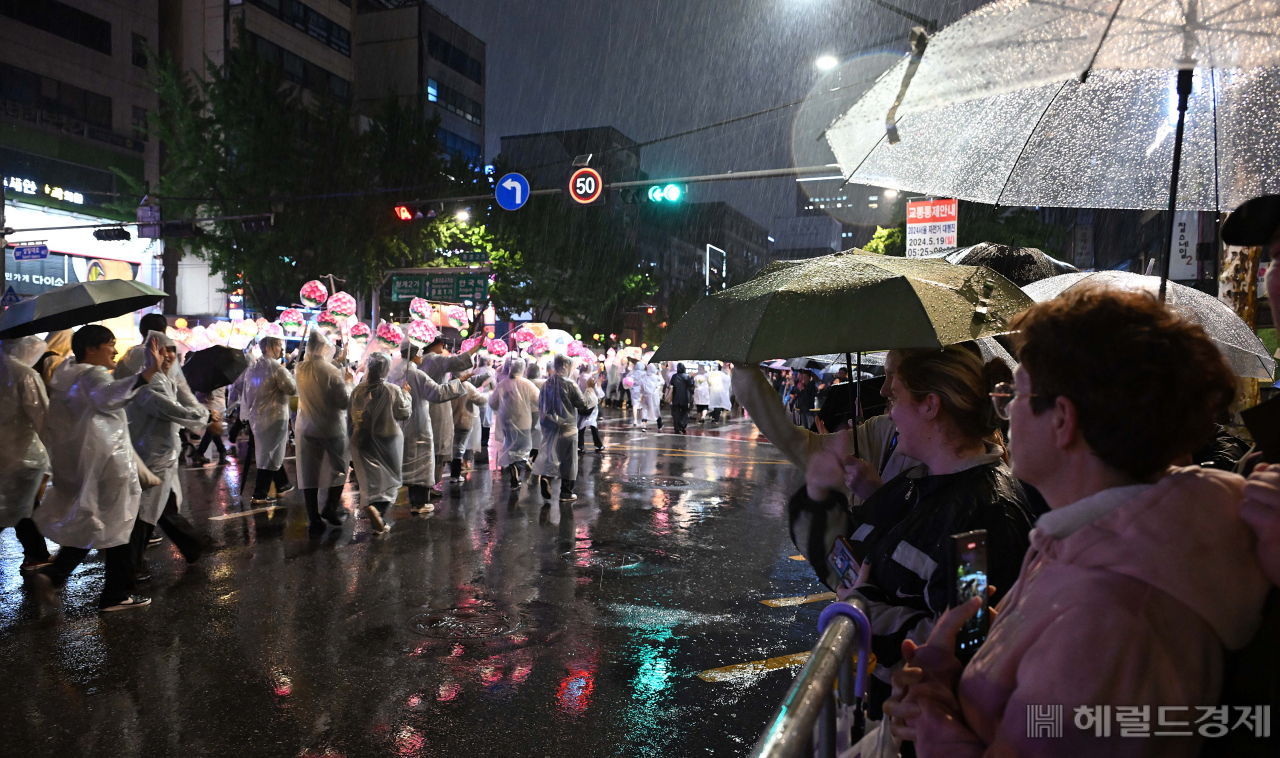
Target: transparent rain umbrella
1243, 350
1079, 103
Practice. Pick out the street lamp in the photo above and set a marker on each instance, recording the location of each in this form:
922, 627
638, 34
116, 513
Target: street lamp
464, 215
826, 62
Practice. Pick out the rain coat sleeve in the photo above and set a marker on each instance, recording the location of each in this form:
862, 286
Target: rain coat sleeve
419, 431
92, 501
321, 431
23, 458
154, 417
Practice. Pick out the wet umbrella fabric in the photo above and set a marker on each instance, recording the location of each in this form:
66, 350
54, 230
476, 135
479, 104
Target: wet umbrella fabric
207, 370
77, 304
845, 302
1246, 354
1020, 265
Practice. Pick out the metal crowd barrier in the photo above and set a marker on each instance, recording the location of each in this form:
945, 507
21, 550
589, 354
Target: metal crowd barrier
813, 700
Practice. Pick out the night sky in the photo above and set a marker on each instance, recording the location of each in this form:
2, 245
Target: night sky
654, 67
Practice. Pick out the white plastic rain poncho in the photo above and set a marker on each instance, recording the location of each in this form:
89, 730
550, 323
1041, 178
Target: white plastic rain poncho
154, 417
636, 375
92, 498
267, 387
425, 395
436, 367
701, 389
558, 404
591, 396
515, 405
718, 385
134, 360
320, 434
377, 443
613, 375
652, 395
23, 405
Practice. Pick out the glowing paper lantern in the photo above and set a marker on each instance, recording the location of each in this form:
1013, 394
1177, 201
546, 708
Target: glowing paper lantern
183, 335
524, 336
538, 346
389, 336
219, 332
497, 347
272, 329
457, 316
420, 309
422, 333
247, 328
330, 322
574, 349
360, 332
469, 343
292, 320
342, 304
314, 293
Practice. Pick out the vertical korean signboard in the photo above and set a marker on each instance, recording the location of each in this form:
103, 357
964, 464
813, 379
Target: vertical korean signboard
1186, 235
931, 226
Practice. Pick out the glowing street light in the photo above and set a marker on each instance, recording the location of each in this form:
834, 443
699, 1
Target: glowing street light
826, 63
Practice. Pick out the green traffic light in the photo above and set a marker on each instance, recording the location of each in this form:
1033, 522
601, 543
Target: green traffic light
671, 192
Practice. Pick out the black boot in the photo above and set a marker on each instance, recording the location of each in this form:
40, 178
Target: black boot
311, 497
262, 486
544, 486
513, 476
455, 470
333, 511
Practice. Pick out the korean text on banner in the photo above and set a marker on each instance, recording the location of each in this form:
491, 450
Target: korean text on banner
931, 226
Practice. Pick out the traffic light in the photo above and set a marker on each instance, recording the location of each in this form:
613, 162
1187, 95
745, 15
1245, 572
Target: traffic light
665, 193
112, 234
404, 213
411, 213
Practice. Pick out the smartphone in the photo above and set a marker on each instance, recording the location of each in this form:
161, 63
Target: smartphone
842, 561
1263, 422
968, 577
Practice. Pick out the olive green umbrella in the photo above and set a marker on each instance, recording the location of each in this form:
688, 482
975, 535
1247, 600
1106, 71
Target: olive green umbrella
843, 303
75, 304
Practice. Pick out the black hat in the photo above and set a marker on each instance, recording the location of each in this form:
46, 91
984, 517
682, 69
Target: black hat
1253, 223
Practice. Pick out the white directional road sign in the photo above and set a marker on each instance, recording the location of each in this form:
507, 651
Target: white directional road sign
512, 192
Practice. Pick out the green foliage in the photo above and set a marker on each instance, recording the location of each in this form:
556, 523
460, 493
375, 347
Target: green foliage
1018, 227
891, 241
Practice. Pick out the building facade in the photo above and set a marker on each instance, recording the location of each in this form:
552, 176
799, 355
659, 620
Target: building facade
410, 50
798, 237
546, 158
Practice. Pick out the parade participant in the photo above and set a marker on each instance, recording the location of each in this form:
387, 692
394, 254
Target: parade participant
216, 403
718, 387
419, 467
320, 433
24, 462
682, 391
559, 403
651, 395
515, 405
265, 403
57, 348
636, 392
437, 364
701, 394
533, 372
92, 500
377, 443
613, 377
154, 416
592, 395
464, 419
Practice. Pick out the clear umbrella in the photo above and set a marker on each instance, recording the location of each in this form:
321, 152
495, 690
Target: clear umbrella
1243, 350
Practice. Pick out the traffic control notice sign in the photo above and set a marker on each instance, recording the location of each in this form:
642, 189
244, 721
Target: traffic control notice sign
585, 185
931, 226
512, 192
31, 252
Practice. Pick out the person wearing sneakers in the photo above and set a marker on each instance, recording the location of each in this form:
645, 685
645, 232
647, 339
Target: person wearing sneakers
320, 435
377, 443
419, 469
92, 500
515, 406
465, 409
24, 462
265, 403
154, 417
559, 403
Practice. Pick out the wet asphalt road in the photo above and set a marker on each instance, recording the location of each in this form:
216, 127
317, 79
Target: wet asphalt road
498, 626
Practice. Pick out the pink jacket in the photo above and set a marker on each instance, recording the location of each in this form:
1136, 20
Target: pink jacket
1133, 609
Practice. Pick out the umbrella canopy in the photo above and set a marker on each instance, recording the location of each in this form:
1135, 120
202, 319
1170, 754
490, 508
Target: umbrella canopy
218, 366
846, 302
76, 304
1020, 265
1239, 345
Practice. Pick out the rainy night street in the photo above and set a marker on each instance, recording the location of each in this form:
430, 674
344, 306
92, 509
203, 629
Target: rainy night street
500, 625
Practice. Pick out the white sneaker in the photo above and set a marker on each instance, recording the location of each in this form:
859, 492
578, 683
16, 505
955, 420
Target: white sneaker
424, 508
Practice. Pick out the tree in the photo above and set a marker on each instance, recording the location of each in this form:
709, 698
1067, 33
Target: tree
891, 241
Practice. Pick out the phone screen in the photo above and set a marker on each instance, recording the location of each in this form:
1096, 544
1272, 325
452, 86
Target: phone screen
969, 580
843, 562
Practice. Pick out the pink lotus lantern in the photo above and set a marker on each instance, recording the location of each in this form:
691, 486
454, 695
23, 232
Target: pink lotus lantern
314, 294
469, 343
497, 347
420, 309
389, 336
360, 332
342, 304
539, 346
524, 336
261, 322
272, 329
457, 316
574, 349
292, 320
422, 333
330, 322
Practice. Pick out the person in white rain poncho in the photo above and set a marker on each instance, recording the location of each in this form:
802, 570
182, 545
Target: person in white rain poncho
24, 462
154, 416
92, 500
515, 405
465, 410
320, 433
592, 395
701, 394
437, 364
267, 387
425, 394
718, 385
377, 444
533, 372
652, 395
559, 402
636, 375
134, 359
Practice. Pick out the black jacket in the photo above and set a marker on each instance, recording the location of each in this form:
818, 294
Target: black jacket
682, 390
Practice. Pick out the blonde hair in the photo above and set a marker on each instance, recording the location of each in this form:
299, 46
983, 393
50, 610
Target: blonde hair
963, 384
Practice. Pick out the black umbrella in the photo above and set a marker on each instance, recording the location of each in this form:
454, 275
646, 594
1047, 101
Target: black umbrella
207, 370
1020, 265
76, 304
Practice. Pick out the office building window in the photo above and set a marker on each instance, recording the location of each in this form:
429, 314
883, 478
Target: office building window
455, 58
62, 20
458, 145
306, 19
455, 102
296, 69
140, 123
28, 88
139, 50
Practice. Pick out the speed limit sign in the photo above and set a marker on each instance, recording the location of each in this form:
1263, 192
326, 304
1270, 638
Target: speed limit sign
585, 186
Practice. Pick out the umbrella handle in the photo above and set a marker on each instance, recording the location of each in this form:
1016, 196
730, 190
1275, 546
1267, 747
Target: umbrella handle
1184, 92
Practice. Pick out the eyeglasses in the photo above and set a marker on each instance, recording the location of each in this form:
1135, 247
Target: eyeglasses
1002, 396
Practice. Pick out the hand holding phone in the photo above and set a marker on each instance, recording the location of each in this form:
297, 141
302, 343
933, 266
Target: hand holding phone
968, 579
